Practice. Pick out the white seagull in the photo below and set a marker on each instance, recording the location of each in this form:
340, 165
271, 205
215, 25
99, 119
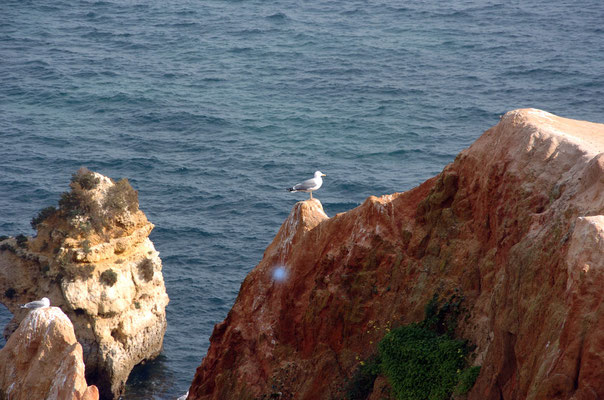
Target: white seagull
37, 304
309, 185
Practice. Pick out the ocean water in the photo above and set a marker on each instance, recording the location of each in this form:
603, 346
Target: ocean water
212, 108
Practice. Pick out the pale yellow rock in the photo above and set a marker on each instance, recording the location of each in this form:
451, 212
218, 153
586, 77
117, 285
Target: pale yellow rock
43, 360
110, 285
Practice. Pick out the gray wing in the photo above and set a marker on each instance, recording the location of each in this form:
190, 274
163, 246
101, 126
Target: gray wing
308, 184
33, 304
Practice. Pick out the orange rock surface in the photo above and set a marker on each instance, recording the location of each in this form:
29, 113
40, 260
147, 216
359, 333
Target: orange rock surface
43, 360
515, 224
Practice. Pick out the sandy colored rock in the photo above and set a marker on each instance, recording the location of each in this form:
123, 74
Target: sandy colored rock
108, 281
43, 360
515, 224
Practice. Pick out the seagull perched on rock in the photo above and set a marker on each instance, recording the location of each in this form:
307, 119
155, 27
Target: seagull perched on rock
309, 185
37, 304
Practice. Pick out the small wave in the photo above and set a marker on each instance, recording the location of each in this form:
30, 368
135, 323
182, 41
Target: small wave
38, 62
355, 11
237, 50
186, 25
534, 72
213, 79
279, 17
400, 9
394, 153
184, 232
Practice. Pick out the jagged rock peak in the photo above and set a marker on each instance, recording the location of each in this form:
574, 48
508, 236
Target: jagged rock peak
43, 360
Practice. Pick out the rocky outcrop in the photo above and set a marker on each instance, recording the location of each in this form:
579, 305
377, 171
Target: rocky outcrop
515, 224
43, 360
93, 258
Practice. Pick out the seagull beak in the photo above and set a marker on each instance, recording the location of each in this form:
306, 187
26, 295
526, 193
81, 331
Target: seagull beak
323, 175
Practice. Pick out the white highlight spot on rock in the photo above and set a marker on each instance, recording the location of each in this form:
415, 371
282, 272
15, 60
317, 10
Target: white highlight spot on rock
280, 273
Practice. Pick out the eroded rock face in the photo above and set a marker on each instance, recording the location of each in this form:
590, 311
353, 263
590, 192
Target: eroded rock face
515, 224
43, 360
93, 258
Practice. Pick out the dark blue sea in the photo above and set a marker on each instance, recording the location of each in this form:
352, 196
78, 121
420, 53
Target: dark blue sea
212, 108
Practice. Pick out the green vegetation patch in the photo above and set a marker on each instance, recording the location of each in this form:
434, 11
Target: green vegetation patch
467, 379
6, 247
120, 197
420, 364
42, 216
109, 277
422, 361
86, 213
85, 178
21, 240
145, 268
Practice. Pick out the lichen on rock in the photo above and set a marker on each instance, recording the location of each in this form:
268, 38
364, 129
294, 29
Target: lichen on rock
87, 257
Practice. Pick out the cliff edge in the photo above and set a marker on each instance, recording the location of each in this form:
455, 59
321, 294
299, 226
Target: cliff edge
92, 257
515, 223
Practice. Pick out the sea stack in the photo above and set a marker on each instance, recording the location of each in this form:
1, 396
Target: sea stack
514, 226
92, 257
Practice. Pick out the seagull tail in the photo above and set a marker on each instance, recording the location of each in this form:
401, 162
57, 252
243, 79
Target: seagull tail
291, 189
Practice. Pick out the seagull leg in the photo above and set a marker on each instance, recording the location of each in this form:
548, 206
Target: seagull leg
310, 194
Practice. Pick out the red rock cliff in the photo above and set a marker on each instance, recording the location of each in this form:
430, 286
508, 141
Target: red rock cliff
515, 223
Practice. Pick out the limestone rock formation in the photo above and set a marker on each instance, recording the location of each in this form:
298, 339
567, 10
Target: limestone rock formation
93, 258
515, 224
43, 360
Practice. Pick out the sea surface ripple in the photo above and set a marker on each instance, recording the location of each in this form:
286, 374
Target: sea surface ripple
212, 108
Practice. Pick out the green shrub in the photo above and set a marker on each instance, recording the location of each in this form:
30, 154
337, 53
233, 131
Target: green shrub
3, 237
424, 360
85, 178
109, 277
442, 318
82, 272
467, 379
21, 240
73, 203
6, 247
86, 246
420, 364
43, 214
145, 269
120, 197
79, 202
